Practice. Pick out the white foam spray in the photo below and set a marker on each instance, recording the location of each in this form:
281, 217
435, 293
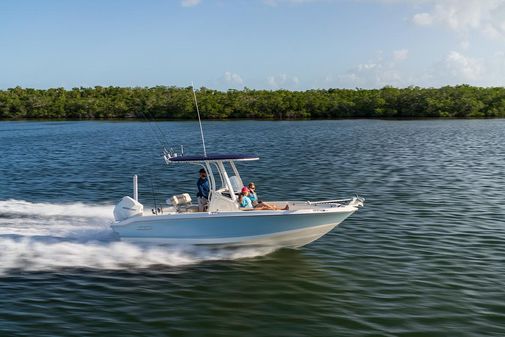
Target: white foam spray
43, 236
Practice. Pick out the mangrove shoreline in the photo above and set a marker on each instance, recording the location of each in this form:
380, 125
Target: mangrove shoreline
175, 103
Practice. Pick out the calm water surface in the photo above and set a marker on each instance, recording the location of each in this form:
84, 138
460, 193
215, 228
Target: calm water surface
425, 257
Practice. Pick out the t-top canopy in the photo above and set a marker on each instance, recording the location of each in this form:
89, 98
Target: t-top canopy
214, 157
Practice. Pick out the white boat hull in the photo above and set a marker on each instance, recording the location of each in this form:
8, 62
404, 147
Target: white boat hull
288, 239
289, 229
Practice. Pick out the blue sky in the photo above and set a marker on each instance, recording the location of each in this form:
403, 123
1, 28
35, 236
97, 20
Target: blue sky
263, 44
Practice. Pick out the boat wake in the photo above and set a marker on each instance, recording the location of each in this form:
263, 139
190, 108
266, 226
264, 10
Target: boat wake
43, 236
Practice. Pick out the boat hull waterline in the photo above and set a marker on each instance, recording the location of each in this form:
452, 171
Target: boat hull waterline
277, 229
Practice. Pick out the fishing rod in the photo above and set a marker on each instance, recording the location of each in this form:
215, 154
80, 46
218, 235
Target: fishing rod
155, 210
199, 120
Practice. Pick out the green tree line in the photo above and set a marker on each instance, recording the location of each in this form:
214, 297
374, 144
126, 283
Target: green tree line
164, 102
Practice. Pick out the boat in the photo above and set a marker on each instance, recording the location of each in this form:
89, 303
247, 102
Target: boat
223, 222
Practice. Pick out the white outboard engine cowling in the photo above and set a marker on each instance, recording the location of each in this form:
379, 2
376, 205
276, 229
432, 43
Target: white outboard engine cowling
127, 208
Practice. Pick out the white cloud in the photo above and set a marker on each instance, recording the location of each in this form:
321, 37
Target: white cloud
283, 81
423, 19
464, 68
376, 73
400, 55
229, 80
458, 68
372, 76
485, 16
470, 20
452, 69
233, 78
189, 3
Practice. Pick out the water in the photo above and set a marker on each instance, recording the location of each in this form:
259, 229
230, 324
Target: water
425, 257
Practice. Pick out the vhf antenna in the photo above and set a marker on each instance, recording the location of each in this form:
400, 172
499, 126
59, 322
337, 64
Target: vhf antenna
199, 120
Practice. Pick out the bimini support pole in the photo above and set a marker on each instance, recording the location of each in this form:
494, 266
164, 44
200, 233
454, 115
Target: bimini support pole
135, 188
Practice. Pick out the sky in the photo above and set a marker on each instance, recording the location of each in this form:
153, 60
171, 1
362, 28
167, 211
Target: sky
259, 44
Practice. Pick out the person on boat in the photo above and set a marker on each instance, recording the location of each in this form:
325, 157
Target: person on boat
243, 199
252, 194
203, 190
245, 202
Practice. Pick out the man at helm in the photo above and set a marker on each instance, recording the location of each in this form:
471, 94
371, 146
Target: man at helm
203, 190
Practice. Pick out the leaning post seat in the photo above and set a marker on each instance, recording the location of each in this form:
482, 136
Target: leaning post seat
179, 200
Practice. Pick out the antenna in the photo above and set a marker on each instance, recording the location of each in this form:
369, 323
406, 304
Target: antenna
199, 120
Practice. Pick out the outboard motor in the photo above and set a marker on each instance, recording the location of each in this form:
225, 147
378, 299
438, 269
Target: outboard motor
127, 208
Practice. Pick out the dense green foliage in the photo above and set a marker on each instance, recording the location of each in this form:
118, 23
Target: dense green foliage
177, 103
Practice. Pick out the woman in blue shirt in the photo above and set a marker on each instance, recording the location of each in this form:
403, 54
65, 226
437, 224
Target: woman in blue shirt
252, 194
245, 201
